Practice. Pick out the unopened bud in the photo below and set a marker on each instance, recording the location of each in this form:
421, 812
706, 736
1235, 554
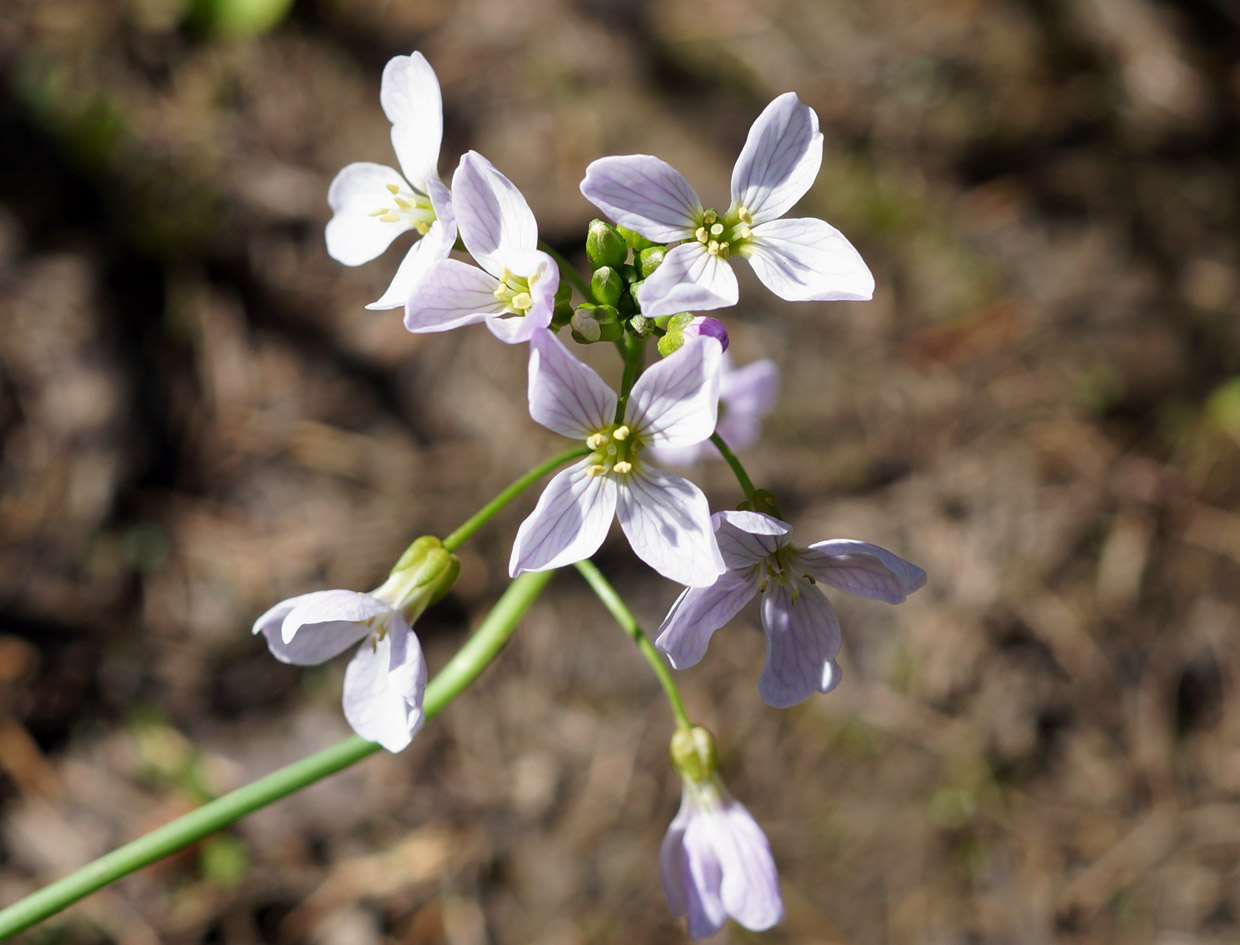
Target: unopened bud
649, 258
605, 246
635, 240
685, 325
606, 285
694, 755
561, 315
592, 323
564, 291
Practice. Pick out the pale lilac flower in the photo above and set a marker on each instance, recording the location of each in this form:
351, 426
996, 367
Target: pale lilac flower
716, 863
746, 395
802, 632
372, 204
798, 260
514, 291
666, 518
386, 679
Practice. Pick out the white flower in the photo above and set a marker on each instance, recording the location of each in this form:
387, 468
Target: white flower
802, 632
373, 204
798, 259
666, 518
514, 291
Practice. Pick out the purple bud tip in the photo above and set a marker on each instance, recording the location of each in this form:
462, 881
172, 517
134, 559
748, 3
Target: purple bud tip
710, 327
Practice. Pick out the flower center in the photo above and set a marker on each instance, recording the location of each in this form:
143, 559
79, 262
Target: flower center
615, 451
414, 210
723, 236
514, 292
784, 568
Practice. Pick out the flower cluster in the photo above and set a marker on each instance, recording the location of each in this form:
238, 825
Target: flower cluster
662, 260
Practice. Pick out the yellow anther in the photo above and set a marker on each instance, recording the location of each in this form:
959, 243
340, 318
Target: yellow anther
716, 229
501, 291
521, 301
505, 275
623, 467
744, 232
596, 469
422, 228
762, 586
796, 592
380, 212
595, 440
390, 217
621, 432
713, 247
710, 216
404, 204
700, 234
393, 188
744, 215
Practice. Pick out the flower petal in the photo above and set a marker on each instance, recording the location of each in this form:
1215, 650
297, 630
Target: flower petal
321, 625
410, 96
566, 395
699, 612
750, 887
703, 877
672, 858
675, 401
543, 276
689, 279
354, 234
451, 294
802, 638
749, 538
645, 194
667, 522
806, 259
780, 159
374, 698
494, 219
568, 524
861, 568
427, 251
746, 395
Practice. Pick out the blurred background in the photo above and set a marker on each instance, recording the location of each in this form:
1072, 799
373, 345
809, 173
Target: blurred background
1041, 406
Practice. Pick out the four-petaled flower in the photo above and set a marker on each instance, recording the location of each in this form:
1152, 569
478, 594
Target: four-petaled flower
802, 632
373, 204
386, 679
516, 292
666, 518
716, 863
798, 259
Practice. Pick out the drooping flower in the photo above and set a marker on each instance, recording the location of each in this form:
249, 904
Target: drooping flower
746, 395
802, 632
797, 259
665, 518
514, 291
373, 204
715, 860
386, 679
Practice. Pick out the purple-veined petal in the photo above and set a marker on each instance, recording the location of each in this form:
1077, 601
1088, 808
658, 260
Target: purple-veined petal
645, 194
434, 246
543, 276
566, 395
354, 234
750, 887
861, 568
667, 522
322, 626
806, 259
407, 666
689, 279
703, 877
746, 395
450, 294
699, 612
675, 401
802, 638
374, 700
569, 522
494, 219
410, 96
672, 858
748, 538
780, 159
680, 457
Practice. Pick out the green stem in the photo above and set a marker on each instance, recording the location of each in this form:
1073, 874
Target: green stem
477, 653
487, 512
634, 352
741, 476
611, 600
568, 271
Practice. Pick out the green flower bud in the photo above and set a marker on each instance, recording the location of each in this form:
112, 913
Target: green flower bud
630, 274
674, 338
561, 315
605, 246
649, 258
593, 323
762, 500
564, 292
607, 285
423, 575
694, 755
636, 241
641, 325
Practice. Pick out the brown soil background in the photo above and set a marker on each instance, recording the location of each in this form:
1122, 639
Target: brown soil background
1040, 406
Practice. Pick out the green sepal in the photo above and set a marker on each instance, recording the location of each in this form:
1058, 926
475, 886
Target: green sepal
694, 754
762, 500
648, 260
561, 315
635, 240
422, 576
672, 341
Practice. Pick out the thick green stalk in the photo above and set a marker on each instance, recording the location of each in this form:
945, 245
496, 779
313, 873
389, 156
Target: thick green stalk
628, 623
634, 352
449, 683
487, 512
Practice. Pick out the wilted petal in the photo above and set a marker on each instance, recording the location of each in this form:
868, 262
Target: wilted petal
703, 878
802, 638
645, 194
674, 402
699, 612
746, 395
750, 888
747, 538
861, 568
354, 234
672, 858
566, 395
568, 524
689, 279
806, 259
494, 219
780, 159
451, 294
375, 703
410, 96
667, 522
